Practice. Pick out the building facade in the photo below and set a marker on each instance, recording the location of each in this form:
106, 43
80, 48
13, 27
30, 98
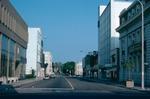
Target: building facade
13, 43
48, 61
34, 52
108, 38
130, 41
90, 65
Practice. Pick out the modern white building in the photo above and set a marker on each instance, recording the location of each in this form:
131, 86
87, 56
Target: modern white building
78, 69
34, 51
48, 60
108, 21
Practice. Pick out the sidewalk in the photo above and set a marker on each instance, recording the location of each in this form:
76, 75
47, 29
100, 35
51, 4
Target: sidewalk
116, 83
26, 81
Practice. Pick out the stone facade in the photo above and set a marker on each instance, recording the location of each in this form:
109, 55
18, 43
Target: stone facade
13, 43
130, 41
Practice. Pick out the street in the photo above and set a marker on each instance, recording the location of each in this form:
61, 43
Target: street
72, 85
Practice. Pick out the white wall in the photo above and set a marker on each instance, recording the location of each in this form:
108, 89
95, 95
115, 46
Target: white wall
101, 9
48, 59
78, 68
116, 7
108, 38
34, 50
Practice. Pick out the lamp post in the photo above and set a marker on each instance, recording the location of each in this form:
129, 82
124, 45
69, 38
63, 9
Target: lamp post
142, 78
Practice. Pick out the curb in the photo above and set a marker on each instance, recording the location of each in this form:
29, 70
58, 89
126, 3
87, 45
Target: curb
19, 85
119, 85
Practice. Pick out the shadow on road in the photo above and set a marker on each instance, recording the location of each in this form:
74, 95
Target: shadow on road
7, 90
97, 81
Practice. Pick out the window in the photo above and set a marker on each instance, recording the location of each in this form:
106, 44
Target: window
133, 12
146, 1
129, 15
2, 19
129, 40
122, 20
0, 12
11, 58
123, 52
5, 18
4, 55
134, 38
138, 8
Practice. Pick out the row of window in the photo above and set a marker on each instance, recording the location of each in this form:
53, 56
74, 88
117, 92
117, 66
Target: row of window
130, 14
10, 21
134, 37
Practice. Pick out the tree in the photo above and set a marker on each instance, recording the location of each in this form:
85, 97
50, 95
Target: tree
57, 67
69, 68
45, 66
33, 72
129, 65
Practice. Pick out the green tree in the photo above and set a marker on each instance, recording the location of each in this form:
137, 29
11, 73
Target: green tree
69, 68
129, 65
33, 73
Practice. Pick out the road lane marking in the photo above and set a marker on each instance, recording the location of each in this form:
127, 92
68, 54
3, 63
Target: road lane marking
42, 90
69, 83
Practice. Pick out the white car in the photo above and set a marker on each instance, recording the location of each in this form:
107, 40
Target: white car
46, 78
52, 75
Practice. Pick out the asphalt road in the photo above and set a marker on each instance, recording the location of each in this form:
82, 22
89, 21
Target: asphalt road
58, 82
69, 85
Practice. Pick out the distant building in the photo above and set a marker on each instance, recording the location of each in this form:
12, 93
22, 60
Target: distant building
13, 43
78, 69
48, 61
57, 66
108, 38
130, 42
34, 50
90, 64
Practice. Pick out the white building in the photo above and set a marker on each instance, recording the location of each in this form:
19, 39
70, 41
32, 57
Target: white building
48, 60
34, 51
108, 38
79, 69
108, 21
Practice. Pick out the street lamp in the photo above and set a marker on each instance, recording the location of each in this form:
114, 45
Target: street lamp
142, 78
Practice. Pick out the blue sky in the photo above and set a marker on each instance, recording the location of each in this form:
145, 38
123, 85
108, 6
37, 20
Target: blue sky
68, 26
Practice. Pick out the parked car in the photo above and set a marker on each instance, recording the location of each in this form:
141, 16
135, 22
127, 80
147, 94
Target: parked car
52, 75
46, 78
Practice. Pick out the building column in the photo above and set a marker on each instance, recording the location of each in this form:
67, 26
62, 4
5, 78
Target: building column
0, 50
8, 57
15, 59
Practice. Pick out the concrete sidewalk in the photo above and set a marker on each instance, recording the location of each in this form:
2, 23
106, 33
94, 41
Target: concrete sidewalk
116, 83
22, 82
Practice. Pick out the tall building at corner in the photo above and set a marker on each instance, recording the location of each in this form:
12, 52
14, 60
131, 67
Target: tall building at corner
34, 51
13, 43
130, 30
108, 38
48, 61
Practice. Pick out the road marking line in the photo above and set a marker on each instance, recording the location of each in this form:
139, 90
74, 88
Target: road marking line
69, 83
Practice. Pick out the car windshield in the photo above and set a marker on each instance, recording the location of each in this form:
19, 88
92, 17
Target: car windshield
88, 48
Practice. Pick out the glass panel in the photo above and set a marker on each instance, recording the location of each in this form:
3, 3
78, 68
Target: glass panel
4, 55
11, 58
